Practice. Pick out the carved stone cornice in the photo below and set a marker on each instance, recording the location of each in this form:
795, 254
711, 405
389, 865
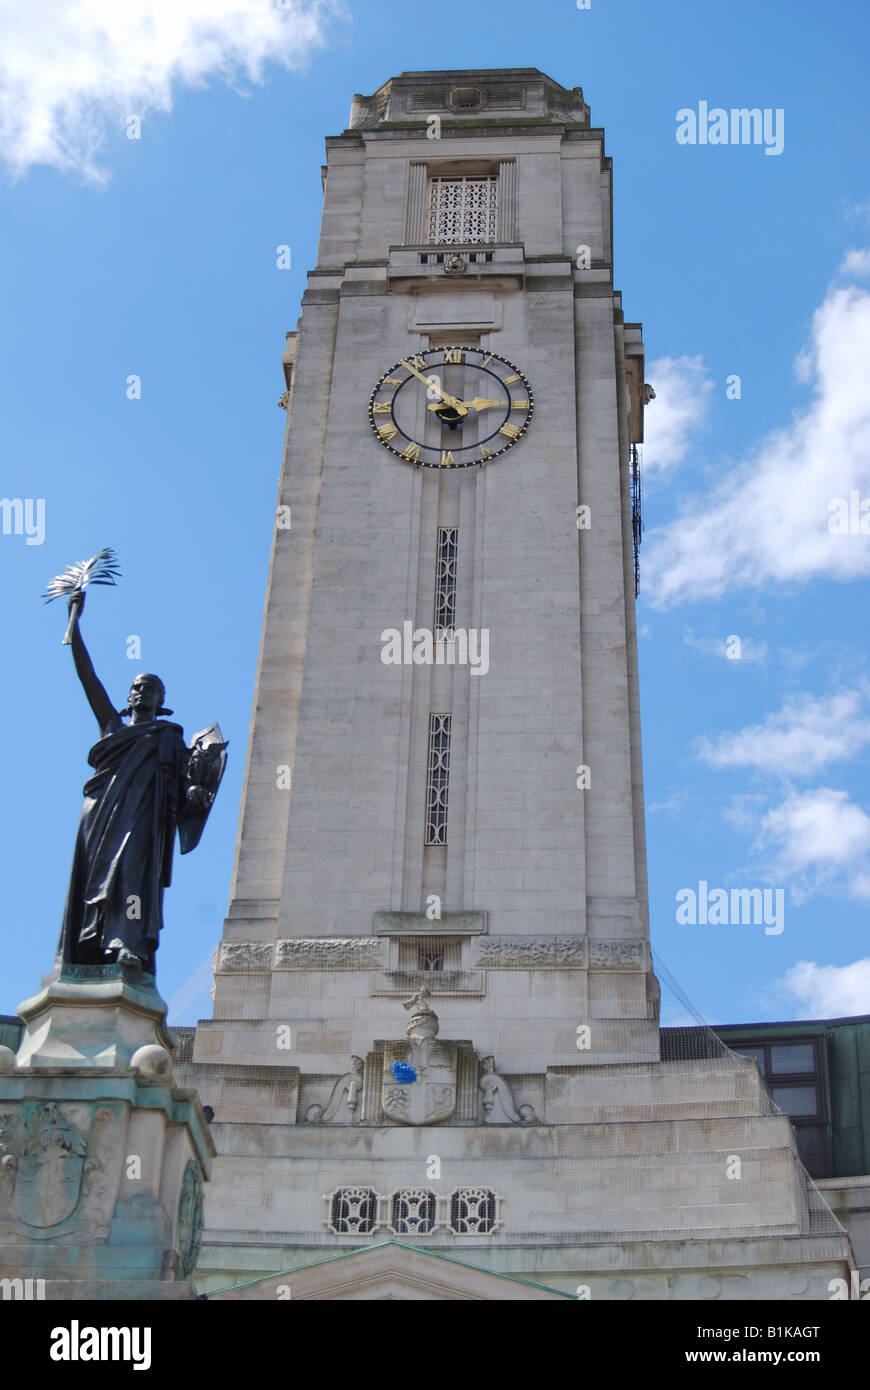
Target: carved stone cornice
244, 955
301, 953
617, 955
489, 952
559, 953
531, 952
329, 953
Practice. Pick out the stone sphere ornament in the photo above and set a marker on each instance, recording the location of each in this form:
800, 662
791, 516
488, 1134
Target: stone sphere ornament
152, 1060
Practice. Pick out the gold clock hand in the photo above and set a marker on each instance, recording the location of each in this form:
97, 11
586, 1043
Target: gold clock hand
451, 400
479, 403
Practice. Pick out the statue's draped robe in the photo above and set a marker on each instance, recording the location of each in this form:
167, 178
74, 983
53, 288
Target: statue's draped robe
123, 854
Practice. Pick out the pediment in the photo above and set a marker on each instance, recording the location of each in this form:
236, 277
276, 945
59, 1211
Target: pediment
389, 1270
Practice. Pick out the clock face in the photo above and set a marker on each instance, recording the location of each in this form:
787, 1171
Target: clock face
451, 407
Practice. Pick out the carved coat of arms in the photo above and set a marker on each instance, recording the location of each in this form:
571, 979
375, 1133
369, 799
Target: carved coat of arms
419, 1078
48, 1182
60, 1167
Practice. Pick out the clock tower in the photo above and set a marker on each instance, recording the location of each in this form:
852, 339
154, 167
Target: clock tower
435, 1016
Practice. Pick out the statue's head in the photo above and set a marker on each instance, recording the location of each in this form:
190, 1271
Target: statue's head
147, 694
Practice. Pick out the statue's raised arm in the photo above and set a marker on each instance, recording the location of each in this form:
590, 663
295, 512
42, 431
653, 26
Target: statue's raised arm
104, 710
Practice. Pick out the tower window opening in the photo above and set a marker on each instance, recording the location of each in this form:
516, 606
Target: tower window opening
445, 579
438, 772
463, 210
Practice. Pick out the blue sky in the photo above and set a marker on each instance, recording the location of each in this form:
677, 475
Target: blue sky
156, 257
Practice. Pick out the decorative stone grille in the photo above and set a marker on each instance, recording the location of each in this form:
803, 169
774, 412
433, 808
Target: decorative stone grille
353, 1211
445, 579
413, 1211
438, 772
472, 1211
463, 210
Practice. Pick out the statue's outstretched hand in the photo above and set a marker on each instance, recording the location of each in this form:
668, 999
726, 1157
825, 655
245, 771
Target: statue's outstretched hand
75, 603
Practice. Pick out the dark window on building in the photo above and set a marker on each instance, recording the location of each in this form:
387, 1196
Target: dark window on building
793, 1072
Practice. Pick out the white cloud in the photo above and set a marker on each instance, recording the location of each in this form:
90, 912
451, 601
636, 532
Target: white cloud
682, 399
828, 991
798, 740
767, 521
821, 840
70, 69
861, 211
744, 812
728, 647
856, 263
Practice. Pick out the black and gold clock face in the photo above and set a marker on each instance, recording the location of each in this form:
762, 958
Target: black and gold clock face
451, 407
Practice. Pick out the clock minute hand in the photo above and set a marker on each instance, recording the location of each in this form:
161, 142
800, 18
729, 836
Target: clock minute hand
451, 400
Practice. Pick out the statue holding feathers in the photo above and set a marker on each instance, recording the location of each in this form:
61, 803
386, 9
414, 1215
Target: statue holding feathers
147, 784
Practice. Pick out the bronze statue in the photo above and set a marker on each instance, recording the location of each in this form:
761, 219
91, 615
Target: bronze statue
147, 783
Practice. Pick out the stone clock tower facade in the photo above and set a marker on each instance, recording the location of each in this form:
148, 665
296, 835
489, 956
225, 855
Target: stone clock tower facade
435, 1027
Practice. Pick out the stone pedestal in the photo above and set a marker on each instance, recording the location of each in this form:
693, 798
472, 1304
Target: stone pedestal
92, 1016
102, 1155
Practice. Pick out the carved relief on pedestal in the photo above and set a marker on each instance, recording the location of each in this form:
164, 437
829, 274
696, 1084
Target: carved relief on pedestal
59, 1171
190, 1219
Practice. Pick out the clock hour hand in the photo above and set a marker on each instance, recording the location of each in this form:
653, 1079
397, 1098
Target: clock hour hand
479, 403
